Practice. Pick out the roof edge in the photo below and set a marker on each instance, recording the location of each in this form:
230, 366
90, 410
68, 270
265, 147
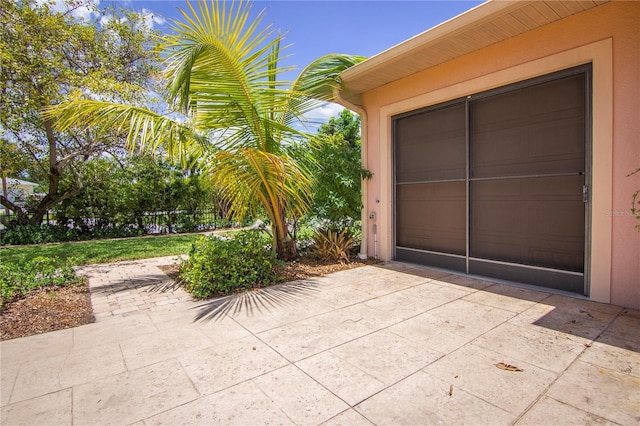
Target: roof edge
473, 16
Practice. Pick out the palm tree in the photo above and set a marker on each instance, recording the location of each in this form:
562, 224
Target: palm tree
241, 121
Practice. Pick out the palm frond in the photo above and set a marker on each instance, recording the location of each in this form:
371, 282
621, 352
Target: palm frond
144, 130
251, 175
222, 64
315, 85
222, 71
321, 76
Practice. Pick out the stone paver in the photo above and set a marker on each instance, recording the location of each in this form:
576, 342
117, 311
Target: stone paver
132, 286
387, 344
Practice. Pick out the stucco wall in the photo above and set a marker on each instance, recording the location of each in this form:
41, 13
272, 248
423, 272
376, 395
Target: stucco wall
607, 36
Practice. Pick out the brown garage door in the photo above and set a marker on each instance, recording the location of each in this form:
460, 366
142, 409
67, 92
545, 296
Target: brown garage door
495, 184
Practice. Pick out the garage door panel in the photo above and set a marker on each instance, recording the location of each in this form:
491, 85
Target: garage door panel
538, 252
558, 140
543, 148
487, 117
529, 221
432, 216
556, 219
431, 146
551, 97
497, 215
522, 273
441, 216
563, 258
536, 130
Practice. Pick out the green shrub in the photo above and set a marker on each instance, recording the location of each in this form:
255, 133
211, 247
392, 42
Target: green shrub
17, 279
38, 234
221, 266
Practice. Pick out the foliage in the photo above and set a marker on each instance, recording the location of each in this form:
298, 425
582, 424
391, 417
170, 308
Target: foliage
305, 229
338, 172
17, 279
15, 234
222, 266
221, 69
124, 192
332, 245
100, 203
346, 124
46, 56
103, 251
121, 198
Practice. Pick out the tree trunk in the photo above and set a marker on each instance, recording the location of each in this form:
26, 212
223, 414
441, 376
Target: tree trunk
283, 244
140, 223
21, 215
286, 249
41, 210
5, 193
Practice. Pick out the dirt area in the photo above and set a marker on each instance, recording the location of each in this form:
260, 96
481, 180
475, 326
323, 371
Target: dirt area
56, 308
46, 309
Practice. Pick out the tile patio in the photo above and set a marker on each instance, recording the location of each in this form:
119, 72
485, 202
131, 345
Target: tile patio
385, 344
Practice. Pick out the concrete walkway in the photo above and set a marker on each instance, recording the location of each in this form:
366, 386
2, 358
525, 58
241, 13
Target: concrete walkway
390, 344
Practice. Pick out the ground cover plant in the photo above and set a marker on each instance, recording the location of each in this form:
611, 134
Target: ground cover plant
19, 278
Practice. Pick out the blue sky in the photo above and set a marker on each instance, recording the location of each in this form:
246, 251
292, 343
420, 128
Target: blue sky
317, 27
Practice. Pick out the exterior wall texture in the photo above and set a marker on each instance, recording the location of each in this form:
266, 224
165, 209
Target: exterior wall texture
606, 36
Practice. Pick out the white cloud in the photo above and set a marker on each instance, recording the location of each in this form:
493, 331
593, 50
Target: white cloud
318, 116
105, 19
151, 19
88, 10
324, 113
148, 19
84, 10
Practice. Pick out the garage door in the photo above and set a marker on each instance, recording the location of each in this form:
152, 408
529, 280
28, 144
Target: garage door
496, 184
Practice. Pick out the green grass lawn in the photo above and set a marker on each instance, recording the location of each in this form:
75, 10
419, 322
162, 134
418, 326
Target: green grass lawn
102, 251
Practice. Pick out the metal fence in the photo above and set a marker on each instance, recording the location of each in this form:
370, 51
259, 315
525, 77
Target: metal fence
182, 221
151, 222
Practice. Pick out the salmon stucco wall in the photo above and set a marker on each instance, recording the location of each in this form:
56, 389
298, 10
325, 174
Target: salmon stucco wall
606, 36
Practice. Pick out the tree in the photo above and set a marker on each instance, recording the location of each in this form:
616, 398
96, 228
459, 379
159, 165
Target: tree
346, 124
222, 74
123, 192
45, 56
12, 163
339, 172
99, 203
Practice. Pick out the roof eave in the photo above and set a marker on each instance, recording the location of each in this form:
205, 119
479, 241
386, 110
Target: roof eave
384, 67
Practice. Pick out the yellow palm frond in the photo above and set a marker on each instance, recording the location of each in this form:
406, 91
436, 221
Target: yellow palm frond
251, 175
144, 130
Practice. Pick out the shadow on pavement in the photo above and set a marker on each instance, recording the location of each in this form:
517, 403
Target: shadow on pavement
257, 301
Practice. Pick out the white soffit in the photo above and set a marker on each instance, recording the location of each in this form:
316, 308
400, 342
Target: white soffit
487, 24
